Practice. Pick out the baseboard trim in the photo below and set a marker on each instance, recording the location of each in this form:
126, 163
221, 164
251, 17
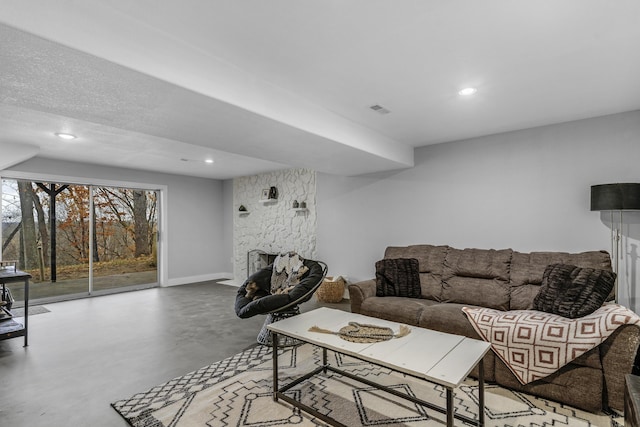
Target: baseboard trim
232, 282
195, 279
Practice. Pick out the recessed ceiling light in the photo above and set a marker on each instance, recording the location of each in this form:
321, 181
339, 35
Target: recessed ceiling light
65, 135
208, 161
467, 91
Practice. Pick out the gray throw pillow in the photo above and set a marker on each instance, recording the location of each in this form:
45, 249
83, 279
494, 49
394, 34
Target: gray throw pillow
398, 277
573, 292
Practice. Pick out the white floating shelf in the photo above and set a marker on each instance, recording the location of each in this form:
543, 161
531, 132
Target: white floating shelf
268, 201
243, 213
301, 209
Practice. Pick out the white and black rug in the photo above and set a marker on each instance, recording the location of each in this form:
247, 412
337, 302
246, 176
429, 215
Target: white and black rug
238, 392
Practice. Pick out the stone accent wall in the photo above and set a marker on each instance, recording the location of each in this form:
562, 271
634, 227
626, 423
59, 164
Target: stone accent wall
275, 226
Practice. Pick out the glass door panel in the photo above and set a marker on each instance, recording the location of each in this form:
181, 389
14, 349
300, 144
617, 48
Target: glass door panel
124, 243
45, 229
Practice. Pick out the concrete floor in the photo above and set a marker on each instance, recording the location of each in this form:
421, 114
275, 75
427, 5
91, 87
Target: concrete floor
87, 353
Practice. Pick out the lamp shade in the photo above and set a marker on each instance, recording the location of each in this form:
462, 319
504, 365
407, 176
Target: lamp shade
615, 197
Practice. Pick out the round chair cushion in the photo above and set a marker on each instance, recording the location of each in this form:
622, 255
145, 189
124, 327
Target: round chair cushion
248, 307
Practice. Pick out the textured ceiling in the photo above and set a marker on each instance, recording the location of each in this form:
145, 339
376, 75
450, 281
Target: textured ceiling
266, 85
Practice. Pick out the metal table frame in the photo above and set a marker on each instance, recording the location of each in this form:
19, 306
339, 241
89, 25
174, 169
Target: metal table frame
279, 392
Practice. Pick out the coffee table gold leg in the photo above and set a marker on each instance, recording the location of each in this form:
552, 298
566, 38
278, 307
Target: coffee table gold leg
324, 360
449, 407
274, 343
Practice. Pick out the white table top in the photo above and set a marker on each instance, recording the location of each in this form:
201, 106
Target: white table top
434, 356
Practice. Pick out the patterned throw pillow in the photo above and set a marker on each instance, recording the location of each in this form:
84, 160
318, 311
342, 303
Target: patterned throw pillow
573, 292
398, 277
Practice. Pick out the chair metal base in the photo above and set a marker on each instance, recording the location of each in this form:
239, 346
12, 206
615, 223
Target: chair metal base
265, 337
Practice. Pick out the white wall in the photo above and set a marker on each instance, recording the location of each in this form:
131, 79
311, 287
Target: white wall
528, 190
195, 221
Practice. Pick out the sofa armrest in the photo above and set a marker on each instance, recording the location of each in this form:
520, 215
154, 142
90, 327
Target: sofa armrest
358, 292
618, 354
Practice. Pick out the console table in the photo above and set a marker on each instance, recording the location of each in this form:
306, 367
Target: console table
9, 328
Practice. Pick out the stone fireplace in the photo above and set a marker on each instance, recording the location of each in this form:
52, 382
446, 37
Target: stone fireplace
273, 226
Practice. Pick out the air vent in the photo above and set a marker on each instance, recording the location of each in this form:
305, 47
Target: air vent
379, 109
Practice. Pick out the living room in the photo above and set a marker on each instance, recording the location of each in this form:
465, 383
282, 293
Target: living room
525, 185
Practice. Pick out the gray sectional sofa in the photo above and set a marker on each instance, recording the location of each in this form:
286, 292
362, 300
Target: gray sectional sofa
504, 280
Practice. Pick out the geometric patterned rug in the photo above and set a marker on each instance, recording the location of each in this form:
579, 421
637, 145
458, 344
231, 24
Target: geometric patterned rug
238, 392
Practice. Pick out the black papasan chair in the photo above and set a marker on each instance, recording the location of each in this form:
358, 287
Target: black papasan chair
278, 306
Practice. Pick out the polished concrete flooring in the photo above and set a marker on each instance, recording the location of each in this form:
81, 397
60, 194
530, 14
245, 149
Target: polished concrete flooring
85, 354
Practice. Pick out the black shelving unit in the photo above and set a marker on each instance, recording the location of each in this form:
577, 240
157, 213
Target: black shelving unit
9, 326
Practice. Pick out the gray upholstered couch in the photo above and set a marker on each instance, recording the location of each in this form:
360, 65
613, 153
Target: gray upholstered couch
505, 280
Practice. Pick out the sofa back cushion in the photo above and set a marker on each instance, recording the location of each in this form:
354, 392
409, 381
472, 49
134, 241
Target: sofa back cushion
430, 263
527, 270
477, 277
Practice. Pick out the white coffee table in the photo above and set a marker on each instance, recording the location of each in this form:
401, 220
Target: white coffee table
436, 357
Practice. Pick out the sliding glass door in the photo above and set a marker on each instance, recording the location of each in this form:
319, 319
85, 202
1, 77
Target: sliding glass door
79, 239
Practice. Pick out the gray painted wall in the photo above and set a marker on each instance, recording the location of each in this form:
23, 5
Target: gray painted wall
195, 217
528, 190
229, 214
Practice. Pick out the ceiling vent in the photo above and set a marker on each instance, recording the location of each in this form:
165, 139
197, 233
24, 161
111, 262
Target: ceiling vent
379, 109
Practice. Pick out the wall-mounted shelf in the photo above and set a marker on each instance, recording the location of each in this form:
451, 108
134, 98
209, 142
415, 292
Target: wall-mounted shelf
268, 201
243, 213
301, 209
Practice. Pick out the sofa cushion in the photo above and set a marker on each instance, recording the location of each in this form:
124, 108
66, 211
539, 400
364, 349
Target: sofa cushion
477, 276
572, 291
430, 263
527, 270
398, 277
397, 309
578, 386
450, 318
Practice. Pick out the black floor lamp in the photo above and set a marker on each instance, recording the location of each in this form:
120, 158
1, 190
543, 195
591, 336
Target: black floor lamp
615, 198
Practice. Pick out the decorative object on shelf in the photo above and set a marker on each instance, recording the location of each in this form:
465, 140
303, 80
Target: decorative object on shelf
273, 193
303, 205
331, 290
242, 208
295, 204
265, 193
618, 197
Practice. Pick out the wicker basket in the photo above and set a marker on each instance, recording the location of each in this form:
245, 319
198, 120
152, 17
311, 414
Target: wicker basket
330, 290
